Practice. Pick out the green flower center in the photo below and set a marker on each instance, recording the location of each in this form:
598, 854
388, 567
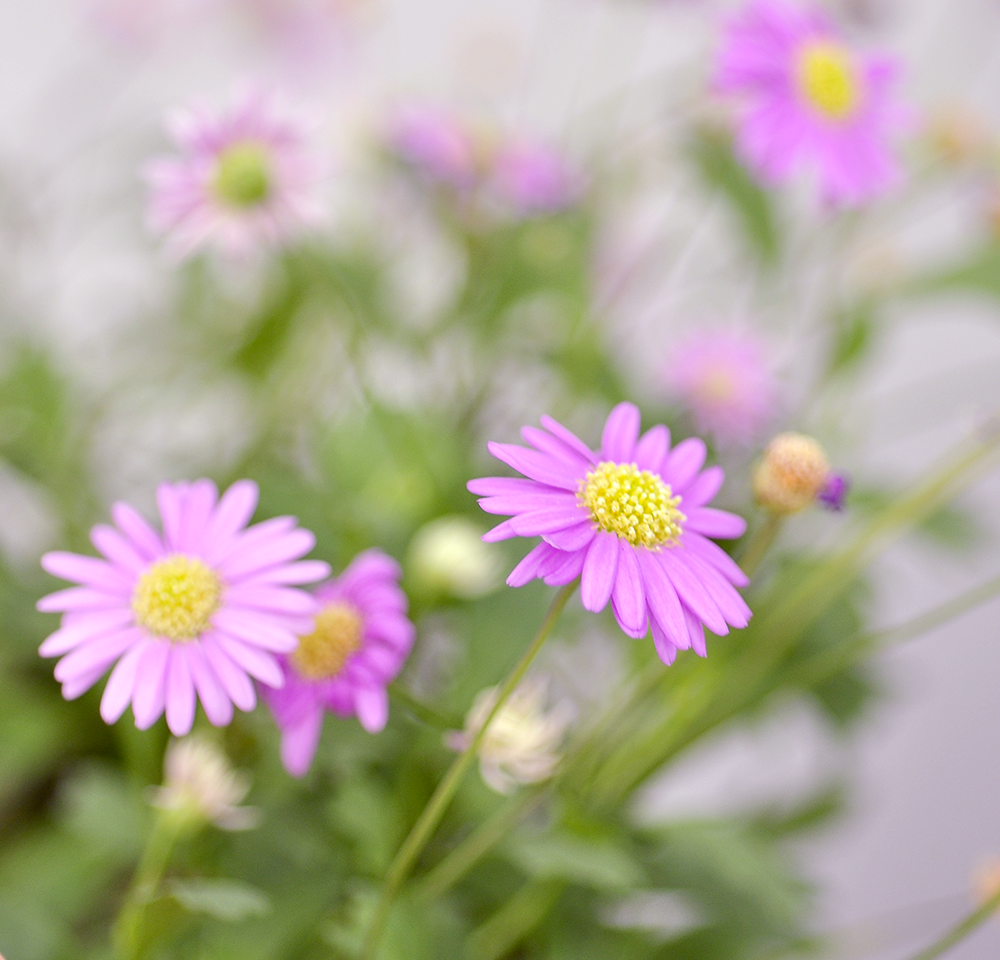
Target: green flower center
829, 79
632, 503
176, 597
322, 654
243, 175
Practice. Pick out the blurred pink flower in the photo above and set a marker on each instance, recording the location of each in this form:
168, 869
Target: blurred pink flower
808, 102
192, 611
724, 381
533, 178
356, 646
247, 177
435, 143
631, 520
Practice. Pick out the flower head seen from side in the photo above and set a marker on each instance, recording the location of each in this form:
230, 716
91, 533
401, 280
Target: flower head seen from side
631, 519
188, 614
200, 786
355, 646
247, 177
435, 144
793, 473
522, 743
809, 102
724, 381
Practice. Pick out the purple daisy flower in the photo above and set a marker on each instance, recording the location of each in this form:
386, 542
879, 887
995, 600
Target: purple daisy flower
808, 101
247, 177
346, 658
435, 144
631, 519
724, 380
192, 613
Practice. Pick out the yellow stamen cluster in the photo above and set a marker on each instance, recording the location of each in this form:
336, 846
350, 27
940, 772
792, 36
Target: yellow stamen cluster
828, 78
243, 175
632, 503
337, 634
790, 475
175, 598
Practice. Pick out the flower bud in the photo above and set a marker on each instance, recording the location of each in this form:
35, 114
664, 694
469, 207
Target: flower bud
522, 743
447, 556
793, 472
201, 787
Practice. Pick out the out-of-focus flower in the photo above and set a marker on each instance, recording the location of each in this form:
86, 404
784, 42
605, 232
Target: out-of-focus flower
192, 613
957, 135
247, 177
724, 380
356, 646
532, 178
521, 744
793, 472
631, 519
807, 101
448, 556
986, 882
435, 143
199, 786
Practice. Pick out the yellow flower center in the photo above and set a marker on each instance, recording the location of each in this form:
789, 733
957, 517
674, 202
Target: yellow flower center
175, 597
632, 503
243, 175
322, 654
717, 386
829, 79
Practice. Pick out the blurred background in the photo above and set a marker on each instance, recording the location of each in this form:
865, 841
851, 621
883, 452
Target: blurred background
84, 85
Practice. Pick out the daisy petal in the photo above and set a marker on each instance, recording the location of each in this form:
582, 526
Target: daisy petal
621, 430
629, 598
180, 698
599, 570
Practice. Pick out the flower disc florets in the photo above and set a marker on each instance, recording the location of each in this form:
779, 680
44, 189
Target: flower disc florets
243, 175
829, 79
323, 653
633, 504
176, 597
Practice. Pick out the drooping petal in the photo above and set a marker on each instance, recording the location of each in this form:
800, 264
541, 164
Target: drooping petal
299, 742
233, 679
599, 570
149, 693
180, 699
218, 707
628, 594
121, 684
372, 705
692, 594
661, 597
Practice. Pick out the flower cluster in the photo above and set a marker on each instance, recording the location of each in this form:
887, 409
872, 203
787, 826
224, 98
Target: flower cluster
631, 519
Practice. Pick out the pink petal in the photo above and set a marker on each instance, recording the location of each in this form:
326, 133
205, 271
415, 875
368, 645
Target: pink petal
291, 546
117, 549
572, 538
551, 520
305, 571
696, 633
275, 599
565, 570
715, 523
502, 531
234, 680
142, 536
508, 487
620, 433
149, 693
78, 599
553, 446
252, 659
233, 512
218, 707
372, 706
255, 629
661, 597
703, 488
628, 596
121, 683
568, 437
299, 742
537, 466
651, 450
180, 697
666, 651
168, 499
83, 627
684, 462
101, 652
693, 593
599, 572
716, 556
732, 606
88, 570
526, 503
530, 566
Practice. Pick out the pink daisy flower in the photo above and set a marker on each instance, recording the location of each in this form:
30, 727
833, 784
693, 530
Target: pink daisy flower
724, 381
631, 519
246, 177
533, 179
346, 658
435, 144
809, 102
194, 612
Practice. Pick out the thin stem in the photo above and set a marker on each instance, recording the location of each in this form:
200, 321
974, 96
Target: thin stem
962, 929
760, 542
428, 821
465, 856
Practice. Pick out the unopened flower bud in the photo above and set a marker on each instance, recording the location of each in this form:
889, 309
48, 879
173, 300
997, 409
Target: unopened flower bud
522, 742
447, 556
834, 492
201, 787
792, 473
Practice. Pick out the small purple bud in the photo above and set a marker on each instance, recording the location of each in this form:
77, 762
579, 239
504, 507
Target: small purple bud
834, 491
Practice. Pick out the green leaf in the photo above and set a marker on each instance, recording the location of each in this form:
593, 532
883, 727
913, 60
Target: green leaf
222, 899
713, 153
596, 863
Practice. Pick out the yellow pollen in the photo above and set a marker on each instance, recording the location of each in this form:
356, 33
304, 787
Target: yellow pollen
322, 654
175, 597
829, 79
632, 503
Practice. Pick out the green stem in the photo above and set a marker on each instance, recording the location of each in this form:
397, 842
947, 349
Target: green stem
145, 883
760, 542
962, 929
465, 856
428, 821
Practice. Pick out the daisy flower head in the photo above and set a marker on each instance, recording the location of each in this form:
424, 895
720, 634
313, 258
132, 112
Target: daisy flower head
631, 519
809, 102
724, 381
189, 613
246, 177
353, 648
533, 179
435, 144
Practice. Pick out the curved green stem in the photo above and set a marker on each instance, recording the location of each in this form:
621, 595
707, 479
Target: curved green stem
428, 821
962, 929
